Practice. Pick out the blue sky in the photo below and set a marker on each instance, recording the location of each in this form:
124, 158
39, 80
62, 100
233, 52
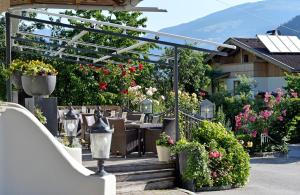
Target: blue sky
182, 11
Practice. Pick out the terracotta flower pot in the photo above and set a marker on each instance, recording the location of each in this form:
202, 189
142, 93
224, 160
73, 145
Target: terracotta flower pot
163, 153
38, 85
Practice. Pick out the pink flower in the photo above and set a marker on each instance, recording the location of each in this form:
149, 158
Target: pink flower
170, 141
280, 118
294, 94
252, 119
215, 154
267, 96
254, 134
214, 174
246, 108
238, 122
283, 113
266, 114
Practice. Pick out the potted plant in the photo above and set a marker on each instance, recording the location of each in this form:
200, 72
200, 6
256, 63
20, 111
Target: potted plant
15, 70
163, 147
74, 149
39, 78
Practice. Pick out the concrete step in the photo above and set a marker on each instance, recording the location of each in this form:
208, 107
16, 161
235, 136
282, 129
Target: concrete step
143, 175
130, 167
150, 184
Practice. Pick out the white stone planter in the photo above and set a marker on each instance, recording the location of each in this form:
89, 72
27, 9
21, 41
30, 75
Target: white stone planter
76, 153
163, 153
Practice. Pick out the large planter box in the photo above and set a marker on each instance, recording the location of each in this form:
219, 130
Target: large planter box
76, 153
39, 85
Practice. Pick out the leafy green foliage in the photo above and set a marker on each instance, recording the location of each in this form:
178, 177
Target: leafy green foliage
246, 85
214, 157
234, 166
32, 68
194, 73
40, 115
197, 162
164, 140
293, 82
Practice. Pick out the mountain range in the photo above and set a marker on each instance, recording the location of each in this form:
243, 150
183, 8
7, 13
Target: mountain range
245, 20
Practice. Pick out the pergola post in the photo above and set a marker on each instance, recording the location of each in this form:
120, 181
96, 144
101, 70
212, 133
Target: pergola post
176, 84
8, 54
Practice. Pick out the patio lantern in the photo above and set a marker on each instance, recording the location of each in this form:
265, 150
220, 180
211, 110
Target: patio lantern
146, 106
101, 136
207, 109
70, 123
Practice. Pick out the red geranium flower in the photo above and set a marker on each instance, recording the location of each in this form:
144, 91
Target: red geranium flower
105, 71
121, 66
103, 86
141, 67
124, 91
132, 69
123, 73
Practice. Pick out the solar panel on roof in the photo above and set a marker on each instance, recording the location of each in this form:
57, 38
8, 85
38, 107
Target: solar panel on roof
289, 43
268, 43
280, 44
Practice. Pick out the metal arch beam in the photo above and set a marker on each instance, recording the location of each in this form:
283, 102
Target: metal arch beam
88, 51
89, 44
194, 40
120, 35
73, 40
120, 51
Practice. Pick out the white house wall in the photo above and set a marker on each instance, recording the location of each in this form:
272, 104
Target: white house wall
263, 84
33, 162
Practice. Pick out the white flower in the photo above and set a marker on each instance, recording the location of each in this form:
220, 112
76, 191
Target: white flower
162, 97
149, 93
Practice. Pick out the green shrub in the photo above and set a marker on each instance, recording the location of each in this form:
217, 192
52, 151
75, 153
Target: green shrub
214, 157
197, 162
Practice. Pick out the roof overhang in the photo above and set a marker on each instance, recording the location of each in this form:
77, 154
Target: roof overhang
113, 5
266, 57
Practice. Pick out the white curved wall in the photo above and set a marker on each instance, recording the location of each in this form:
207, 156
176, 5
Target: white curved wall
33, 162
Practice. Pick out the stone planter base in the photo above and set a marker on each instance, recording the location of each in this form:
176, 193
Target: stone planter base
217, 188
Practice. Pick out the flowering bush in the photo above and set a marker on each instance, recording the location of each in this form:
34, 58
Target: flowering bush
214, 157
261, 121
187, 102
165, 140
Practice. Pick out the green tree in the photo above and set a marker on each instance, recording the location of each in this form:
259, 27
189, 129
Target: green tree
193, 72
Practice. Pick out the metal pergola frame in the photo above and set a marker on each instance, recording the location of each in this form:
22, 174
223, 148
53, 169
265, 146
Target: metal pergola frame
142, 40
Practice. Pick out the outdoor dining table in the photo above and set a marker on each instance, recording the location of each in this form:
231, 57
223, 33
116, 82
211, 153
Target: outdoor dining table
141, 133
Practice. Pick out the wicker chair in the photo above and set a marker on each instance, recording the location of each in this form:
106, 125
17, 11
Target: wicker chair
124, 141
88, 121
